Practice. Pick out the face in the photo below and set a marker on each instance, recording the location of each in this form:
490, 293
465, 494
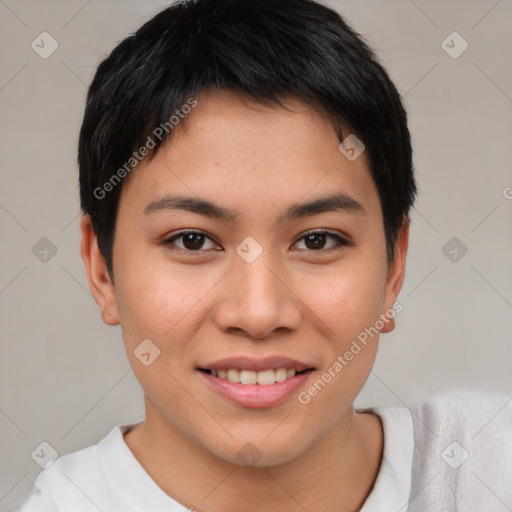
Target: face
261, 283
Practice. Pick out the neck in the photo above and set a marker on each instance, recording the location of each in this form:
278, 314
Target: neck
337, 473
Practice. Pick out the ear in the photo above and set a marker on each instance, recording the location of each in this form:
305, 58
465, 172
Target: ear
100, 284
396, 273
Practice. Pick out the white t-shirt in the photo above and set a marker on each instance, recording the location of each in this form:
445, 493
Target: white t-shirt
452, 451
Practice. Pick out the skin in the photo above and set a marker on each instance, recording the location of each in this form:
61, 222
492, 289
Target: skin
305, 303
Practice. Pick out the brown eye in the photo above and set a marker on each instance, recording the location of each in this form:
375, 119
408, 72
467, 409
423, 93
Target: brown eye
316, 240
191, 241
195, 241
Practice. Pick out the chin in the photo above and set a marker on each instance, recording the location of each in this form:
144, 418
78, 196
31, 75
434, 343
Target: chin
259, 452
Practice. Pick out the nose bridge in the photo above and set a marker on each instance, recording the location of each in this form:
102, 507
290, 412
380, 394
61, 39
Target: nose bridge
260, 288
258, 299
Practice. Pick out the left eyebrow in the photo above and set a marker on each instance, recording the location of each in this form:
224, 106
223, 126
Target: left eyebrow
326, 203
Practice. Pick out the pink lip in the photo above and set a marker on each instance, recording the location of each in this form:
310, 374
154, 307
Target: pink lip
256, 395
257, 365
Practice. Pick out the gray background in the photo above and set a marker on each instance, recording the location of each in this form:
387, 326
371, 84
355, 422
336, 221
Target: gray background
64, 377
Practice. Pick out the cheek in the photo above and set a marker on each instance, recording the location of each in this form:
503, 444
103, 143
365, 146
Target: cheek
160, 302
164, 309
349, 301
350, 306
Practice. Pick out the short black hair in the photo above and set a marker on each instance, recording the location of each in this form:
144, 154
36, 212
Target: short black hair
268, 50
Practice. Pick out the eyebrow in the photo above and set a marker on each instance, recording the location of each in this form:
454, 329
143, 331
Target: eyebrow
322, 204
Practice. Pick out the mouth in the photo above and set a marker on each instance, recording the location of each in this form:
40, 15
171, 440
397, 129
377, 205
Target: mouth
255, 384
250, 377
248, 381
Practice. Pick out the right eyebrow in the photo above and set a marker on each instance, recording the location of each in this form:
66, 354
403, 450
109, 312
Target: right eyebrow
191, 204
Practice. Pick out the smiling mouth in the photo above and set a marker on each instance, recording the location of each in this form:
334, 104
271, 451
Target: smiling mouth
249, 377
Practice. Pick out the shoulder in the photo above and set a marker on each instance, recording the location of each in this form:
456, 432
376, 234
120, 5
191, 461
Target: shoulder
68, 481
463, 413
473, 416
463, 442
468, 402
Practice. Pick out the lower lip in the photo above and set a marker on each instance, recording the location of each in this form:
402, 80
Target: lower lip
256, 395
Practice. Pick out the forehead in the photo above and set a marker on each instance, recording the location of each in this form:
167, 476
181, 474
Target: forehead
252, 157
226, 113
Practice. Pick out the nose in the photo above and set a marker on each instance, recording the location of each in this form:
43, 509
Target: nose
258, 299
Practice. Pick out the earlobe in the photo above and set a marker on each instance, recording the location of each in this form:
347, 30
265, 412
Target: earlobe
396, 274
100, 283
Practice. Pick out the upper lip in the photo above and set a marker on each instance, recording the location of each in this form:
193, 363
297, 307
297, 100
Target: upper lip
257, 364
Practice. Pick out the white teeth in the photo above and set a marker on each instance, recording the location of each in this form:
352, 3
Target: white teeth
280, 374
234, 376
248, 377
263, 378
266, 377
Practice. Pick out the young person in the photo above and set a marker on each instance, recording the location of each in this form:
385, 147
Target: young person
246, 179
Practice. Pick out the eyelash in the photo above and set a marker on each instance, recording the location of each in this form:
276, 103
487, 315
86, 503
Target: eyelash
341, 241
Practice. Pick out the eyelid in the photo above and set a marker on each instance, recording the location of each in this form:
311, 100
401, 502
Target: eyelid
325, 231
